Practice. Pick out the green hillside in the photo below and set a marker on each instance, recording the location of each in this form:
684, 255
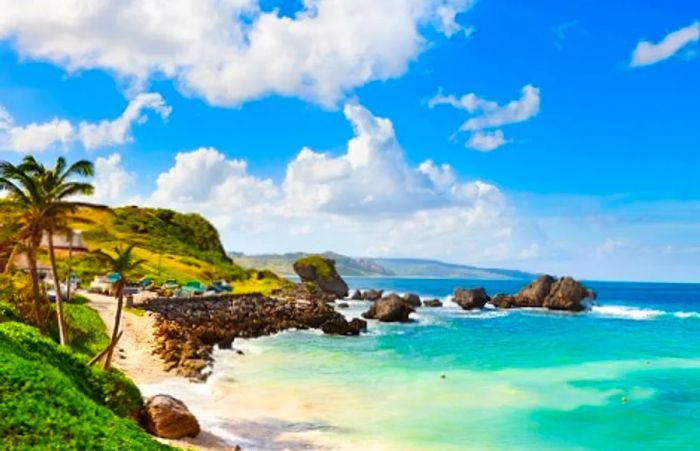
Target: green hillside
174, 245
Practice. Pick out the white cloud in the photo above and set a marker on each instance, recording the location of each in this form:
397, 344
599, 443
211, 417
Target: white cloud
367, 200
488, 114
34, 136
647, 53
38, 137
447, 17
113, 184
487, 141
118, 131
231, 51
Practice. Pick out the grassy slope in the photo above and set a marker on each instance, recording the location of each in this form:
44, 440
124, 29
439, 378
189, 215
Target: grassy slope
174, 245
49, 398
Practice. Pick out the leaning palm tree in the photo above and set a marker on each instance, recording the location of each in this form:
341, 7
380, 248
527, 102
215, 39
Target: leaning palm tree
125, 265
44, 202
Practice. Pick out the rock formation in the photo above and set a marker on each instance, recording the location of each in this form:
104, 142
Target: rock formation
432, 303
168, 417
412, 299
372, 295
390, 308
470, 299
321, 272
186, 330
548, 292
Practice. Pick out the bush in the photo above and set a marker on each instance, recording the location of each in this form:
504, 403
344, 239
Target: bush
8, 312
49, 398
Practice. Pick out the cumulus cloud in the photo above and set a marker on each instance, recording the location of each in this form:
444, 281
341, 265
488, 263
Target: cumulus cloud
487, 114
113, 183
366, 200
647, 53
38, 137
118, 131
231, 51
34, 136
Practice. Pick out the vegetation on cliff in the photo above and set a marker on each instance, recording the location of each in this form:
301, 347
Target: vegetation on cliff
50, 399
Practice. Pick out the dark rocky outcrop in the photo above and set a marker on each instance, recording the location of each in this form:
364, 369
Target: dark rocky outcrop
372, 295
339, 326
186, 330
432, 303
390, 308
168, 417
567, 294
356, 295
343, 305
469, 299
412, 299
534, 294
321, 272
502, 300
550, 293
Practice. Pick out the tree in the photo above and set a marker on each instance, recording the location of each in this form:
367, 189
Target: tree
125, 265
42, 199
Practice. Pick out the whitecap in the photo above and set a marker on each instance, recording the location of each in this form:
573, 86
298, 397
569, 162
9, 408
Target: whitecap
621, 311
684, 315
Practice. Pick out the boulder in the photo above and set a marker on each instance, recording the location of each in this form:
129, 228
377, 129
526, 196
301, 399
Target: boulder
168, 417
536, 292
372, 295
502, 300
356, 295
340, 326
391, 308
432, 303
567, 294
412, 299
321, 272
343, 305
470, 299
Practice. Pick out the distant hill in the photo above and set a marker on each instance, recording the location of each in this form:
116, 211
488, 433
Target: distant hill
282, 263
381, 267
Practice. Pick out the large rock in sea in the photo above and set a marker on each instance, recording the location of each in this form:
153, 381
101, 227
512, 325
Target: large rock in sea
502, 300
567, 294
470, 299
168, 417
340, 326
412, 299
321, 272
534, 294
391, 308
546, 291
432, 303
356, 295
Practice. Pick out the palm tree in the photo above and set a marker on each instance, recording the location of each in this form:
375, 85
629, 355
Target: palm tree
42, 199
125, 265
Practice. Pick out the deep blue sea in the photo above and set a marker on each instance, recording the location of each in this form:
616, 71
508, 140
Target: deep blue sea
623, 376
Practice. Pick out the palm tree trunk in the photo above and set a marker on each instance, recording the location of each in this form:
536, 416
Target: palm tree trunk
117, 319
70, 273
34, 274
59, 299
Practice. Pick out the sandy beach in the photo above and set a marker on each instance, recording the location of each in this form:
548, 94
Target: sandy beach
136, 360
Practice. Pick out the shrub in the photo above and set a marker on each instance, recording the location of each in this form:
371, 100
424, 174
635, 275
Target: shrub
49, 398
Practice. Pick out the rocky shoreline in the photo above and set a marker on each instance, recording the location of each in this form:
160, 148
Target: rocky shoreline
186, 330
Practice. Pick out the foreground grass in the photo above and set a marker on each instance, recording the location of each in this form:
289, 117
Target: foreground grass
50, 399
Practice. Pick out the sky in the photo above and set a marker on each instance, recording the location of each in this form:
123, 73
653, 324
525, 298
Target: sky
547, 136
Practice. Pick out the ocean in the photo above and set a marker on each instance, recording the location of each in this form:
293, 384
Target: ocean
623, 376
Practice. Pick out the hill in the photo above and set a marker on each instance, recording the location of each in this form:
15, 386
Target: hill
174, 245
381, 267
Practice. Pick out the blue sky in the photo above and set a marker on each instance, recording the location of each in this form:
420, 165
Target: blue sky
596, 174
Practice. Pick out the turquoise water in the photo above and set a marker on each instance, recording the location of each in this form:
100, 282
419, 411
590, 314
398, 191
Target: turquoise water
625, 375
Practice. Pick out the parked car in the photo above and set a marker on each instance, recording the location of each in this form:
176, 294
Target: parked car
171, 284
221, 286
194, 287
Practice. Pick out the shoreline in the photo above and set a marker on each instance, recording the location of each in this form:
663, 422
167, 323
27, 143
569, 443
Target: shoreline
135, 358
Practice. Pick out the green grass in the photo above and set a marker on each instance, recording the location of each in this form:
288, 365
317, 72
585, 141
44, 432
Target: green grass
49, 398
324, 269
87, 333
135, 311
